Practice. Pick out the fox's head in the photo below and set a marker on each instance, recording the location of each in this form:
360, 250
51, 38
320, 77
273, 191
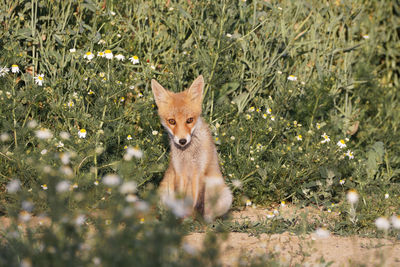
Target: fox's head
179, 112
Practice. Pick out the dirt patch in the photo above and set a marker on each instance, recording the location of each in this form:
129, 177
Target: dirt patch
305, 249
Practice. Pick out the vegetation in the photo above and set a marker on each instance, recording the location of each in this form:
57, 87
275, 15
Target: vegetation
302, 99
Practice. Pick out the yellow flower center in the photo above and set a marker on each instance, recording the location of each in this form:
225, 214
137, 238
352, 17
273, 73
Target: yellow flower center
88, 53
135, 58
108, 52
342, 141
300, 136
14, 66
82, 131
40, 78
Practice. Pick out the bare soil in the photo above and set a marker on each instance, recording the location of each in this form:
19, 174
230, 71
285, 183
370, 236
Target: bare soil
307, 249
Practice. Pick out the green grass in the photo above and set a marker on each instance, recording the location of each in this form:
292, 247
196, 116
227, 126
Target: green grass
343, 54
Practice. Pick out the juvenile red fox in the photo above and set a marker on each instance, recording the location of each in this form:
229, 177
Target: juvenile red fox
193, 171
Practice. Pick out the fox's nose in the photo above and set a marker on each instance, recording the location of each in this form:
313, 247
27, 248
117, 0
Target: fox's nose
182, 141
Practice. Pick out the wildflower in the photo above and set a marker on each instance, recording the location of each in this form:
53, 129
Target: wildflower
279, 72
80, 220
44, 186
232, 138
395, 221
101, 42
272, 118
386, 196
318, 125
4, 71
96, 183
111, 180
352, 196
322, 233
72, 50
131, 198
142, 220
43, 152
248, 116
122, 99
365, 36
44, 134
229, 35
108, 54
32, 124
90, 92
349, 154
154, 132
248, 202
341, 182
70, 104
270, 215
269, 111
62, 186
82, 133
65, 157
237, 183
100, 54
129, 137
252, 159
140, 95
13, 186
128, 187
39, 79
75, 186
251, 109
132, 152
299, 137
329, 210
264, 116
382, 224
292, 78
64, 135
24, 216
60, 144
134, 60
283, 204
89, 56
326, 138
14, 68
341, 143
120, 57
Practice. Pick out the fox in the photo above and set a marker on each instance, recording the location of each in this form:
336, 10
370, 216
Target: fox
193, 172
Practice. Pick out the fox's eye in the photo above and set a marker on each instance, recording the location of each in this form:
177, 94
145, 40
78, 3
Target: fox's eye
190, 120
172, 121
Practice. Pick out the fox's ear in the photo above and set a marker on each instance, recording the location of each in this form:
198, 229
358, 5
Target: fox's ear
195, 91
159, 92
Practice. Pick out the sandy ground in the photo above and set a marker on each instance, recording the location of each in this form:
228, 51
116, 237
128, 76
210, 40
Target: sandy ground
289, 249
306, 250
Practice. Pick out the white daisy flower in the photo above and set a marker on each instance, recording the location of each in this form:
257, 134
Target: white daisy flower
120, 57
365, 36
39, 79
299, 137
134, 60
89, 56
100, 54
326, 138
128, 187
108, 54
129, 137
154, 132
72, 50
133, 152
341, 143
292, 78
82, 133
14, 68
4, 71
386, 196
349, 154
63, 186
13, 186
44, 186
395, 221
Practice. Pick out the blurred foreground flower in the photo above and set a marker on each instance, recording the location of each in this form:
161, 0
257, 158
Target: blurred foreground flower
13, 186
179, 207
128, 187
132, 152
322, 233
111, 180
395, 220
44, 134
382, 224
352, 196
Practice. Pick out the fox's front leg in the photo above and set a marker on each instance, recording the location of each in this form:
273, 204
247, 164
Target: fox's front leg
168, 185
